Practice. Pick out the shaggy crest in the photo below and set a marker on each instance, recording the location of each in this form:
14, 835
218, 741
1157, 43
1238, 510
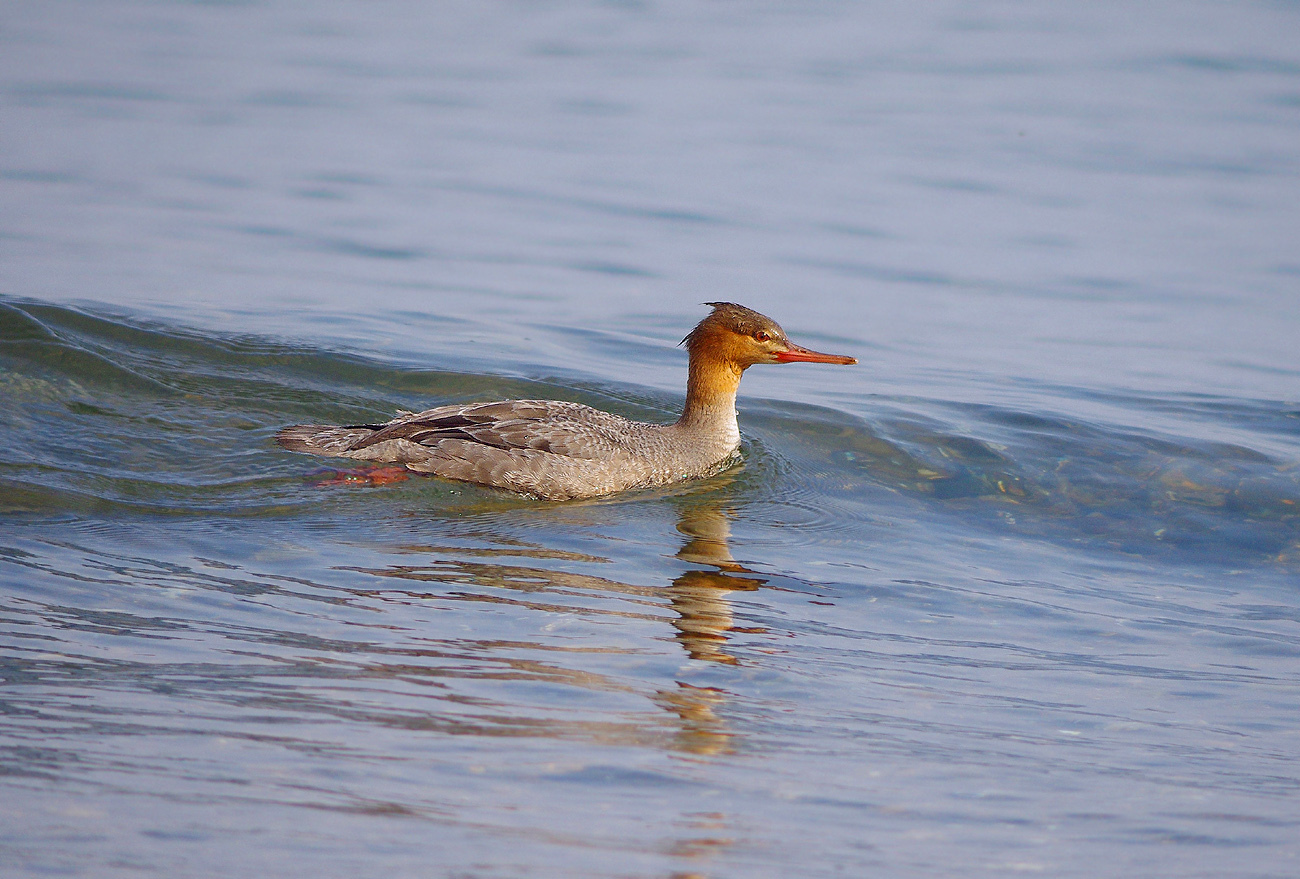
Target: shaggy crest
733, 318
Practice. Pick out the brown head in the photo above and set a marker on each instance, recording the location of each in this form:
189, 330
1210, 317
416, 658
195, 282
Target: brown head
741, 336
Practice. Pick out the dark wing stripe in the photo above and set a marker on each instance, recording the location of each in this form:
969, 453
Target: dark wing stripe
410, 428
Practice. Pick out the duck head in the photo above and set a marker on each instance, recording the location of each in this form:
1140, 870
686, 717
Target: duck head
741, 336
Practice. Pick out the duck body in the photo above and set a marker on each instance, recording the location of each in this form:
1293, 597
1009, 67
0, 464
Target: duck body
559, 450
546, 448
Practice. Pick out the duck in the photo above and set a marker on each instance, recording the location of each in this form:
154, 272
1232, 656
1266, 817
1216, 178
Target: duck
556, 450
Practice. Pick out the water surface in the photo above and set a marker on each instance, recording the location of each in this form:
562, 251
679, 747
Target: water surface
1016, 594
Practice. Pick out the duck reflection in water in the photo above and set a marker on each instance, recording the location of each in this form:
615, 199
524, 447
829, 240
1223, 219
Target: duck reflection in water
704, 614
704, 618
693, 724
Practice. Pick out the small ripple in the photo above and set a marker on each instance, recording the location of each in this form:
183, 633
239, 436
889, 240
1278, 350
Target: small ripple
612, 208
293, 99
34, 176
42, 92
616, 269
874, 271
350, 247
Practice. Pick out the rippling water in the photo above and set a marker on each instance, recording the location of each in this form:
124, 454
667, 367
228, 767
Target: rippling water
1016, 594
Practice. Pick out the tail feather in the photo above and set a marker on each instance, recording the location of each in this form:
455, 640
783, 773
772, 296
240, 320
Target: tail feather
347, 442
321, 439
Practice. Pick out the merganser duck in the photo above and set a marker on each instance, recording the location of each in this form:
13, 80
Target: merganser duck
562, 451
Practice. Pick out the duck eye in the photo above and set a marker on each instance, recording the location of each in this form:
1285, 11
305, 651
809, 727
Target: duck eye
762, 336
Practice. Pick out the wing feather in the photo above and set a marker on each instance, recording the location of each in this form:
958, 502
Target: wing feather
566, 429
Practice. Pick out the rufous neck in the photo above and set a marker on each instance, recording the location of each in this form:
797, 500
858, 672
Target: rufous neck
711, 389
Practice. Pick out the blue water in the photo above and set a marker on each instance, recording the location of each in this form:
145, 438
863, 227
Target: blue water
1017, 594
